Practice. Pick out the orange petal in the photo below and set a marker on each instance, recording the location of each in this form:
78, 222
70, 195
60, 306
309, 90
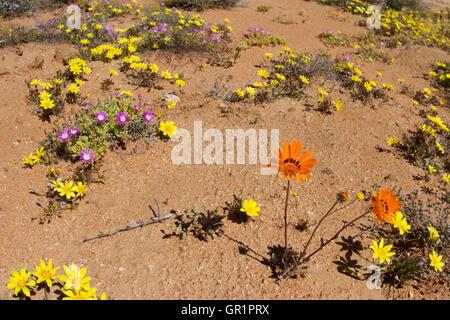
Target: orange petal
309, 163
305, 156
297, 150
299, 178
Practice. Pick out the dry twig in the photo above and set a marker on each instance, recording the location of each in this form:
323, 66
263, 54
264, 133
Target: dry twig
141, 224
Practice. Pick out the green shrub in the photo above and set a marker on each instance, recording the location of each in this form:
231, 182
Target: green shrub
334, 38
167, 29
42, 32
12, 8
200, 225
257, 36
201, 4
98, 136
263, 8
285, 75
400, 4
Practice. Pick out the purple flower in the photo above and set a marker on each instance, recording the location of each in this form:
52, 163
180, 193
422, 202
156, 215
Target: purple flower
382, 43
101, 116
87, 155
65, 134
86, 103
148, 116
110, 31
137, 107
123, 118
74, 131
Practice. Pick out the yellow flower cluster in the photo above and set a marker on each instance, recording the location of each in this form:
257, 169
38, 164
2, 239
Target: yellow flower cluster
276, 77
438, 121
433, 131
166, 75
369, 85
79, 66
263, 73
131, 59
139, 65
126, 92
436, 261
413, 24
322, 94
426, 26
33, 159
69, 190
384, 253
427, 129
75, 285
134, 63
45, 98
45, 101
114, 8
180, 82
111, 51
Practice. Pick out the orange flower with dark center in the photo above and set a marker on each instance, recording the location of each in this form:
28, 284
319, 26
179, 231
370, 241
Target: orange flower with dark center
385, 205
291, 164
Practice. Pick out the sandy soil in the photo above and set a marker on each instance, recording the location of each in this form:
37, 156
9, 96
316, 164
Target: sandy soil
142, 264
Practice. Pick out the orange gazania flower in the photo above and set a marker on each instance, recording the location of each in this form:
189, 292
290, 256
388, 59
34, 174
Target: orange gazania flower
291, 164
385, 205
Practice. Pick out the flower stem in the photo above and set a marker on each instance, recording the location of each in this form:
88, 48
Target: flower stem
317, 226
333, 237
285, 219
329, 213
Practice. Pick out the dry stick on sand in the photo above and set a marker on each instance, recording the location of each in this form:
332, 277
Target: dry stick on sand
141, 224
